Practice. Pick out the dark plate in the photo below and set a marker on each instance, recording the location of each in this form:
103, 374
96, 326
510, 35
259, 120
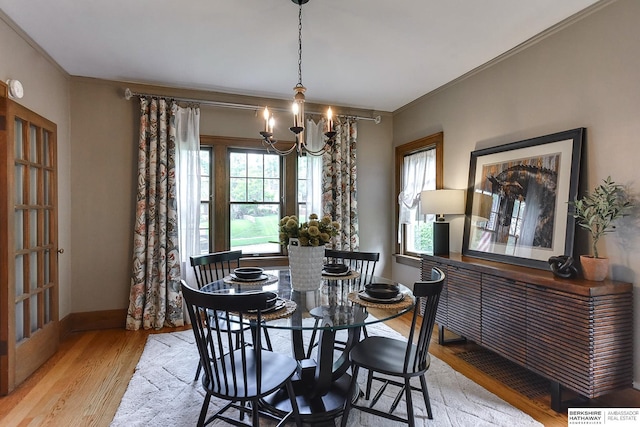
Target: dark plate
336, 268
240, 279
382, 290
365, 296
248, 273
346, 273
278, 304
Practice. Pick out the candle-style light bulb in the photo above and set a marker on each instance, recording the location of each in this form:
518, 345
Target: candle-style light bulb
271, 122
266, 119
294, 107
329, 118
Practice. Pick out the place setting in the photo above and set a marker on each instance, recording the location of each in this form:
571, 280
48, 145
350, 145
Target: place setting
250, 276
338, 271
277, 307
382, 295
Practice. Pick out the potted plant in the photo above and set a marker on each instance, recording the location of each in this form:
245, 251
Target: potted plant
305, 246
596, 213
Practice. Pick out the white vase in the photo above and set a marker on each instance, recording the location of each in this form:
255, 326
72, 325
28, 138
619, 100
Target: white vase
305, 264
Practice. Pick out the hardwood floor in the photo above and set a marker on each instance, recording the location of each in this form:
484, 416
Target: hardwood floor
83, 383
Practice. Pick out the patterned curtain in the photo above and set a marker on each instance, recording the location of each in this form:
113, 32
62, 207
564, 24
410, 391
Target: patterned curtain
339, 190
155, 299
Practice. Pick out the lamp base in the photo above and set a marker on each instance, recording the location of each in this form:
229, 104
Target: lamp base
441, 238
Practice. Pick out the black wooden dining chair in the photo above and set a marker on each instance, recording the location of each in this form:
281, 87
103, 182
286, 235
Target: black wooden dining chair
216, 266
398, 358
362, 262
244, 375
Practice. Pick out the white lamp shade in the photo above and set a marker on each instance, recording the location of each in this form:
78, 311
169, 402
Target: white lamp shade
442, 202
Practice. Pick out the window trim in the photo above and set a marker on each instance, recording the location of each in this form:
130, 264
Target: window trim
219, 194
436, 141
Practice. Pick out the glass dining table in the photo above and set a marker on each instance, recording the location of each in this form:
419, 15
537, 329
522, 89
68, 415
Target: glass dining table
323, 325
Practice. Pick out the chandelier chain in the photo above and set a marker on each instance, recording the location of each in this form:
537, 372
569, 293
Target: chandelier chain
300, 45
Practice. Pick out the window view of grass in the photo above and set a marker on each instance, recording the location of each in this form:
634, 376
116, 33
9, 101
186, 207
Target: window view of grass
252, 230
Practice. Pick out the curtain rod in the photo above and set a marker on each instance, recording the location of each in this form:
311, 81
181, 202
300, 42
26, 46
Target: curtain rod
128, 94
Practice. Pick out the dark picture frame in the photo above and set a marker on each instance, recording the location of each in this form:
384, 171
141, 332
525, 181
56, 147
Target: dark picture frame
517, 208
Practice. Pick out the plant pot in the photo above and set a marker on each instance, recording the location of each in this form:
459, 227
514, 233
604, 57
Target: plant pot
595, 269
305, 264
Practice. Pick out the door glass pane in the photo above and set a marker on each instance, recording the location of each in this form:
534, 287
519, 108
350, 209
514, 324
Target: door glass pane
47, 153
33, 185
19, 229
33, 134
33, 270
33, 228
47, 266
19, 184
46, 239
19, 321
17, 140
46, 188
19, 275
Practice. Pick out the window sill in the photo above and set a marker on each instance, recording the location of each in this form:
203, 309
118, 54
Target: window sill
411, 261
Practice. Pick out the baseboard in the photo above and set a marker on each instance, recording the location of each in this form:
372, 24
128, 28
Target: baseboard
92, 320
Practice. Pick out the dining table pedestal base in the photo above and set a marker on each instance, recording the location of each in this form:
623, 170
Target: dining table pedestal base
316, 410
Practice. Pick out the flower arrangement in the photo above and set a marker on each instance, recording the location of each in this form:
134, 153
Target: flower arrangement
315, 232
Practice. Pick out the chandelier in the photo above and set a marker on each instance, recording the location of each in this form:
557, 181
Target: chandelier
298, 112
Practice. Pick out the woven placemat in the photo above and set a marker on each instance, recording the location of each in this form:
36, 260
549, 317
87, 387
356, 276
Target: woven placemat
352, 275
286, 311
270, 279
406, 302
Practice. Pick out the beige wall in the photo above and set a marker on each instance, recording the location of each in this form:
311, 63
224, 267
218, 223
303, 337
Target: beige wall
586, 75
46, 91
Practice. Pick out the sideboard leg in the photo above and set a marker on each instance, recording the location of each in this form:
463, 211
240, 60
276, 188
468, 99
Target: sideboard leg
443, 341
556, 396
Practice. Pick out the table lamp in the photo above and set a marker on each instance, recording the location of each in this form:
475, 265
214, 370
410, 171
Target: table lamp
441, 203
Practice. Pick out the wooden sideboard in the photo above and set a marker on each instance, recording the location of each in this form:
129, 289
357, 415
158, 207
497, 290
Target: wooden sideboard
576, 333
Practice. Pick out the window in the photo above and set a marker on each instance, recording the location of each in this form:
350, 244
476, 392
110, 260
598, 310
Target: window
254, 200
418, 168
245, 192
303, 187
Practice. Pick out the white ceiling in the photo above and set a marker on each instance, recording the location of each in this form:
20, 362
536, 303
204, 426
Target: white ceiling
372, 54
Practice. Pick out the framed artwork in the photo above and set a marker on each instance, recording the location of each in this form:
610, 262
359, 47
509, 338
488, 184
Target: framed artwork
517, 207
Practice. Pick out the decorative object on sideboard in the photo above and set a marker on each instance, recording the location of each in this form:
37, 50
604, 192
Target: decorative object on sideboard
596, 213
441, 203
563, 266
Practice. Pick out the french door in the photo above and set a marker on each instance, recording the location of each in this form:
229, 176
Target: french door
28, 243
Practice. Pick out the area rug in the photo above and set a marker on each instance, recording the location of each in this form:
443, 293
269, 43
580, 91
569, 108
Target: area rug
162, 391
